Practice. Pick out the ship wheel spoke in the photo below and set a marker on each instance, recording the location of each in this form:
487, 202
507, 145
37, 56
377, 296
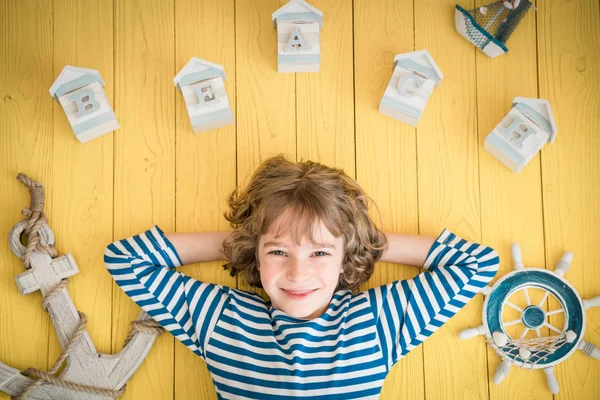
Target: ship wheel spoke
561, 310
508, 303
555, 329
524, 333
527, 296
544, 298
516, 321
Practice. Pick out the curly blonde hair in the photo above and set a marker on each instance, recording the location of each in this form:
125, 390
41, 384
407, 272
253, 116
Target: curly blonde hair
310, 192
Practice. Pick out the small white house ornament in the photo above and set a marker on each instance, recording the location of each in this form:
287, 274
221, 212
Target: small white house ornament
414, 77
527, 127
202, 85
80, 92
298, 27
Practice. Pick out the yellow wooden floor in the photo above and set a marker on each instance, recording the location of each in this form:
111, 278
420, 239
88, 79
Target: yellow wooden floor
154, 170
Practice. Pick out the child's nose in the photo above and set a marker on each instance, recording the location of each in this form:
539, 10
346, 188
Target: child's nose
297, 271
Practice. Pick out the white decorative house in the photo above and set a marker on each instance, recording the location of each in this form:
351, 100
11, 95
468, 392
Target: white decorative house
80, 92
298, 27
527, 127
414, 77
202, 85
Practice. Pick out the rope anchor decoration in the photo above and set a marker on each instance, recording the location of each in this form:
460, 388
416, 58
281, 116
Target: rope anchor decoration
519, 341
88, 374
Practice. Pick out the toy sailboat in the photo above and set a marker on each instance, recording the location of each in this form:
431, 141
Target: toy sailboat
489, 27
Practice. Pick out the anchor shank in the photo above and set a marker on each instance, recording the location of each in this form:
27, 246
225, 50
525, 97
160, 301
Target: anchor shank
83, 364
48, 274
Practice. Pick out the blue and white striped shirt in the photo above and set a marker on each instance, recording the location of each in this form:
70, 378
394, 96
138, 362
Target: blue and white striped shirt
254, 351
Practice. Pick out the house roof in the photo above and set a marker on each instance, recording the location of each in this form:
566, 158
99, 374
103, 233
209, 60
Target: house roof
296, 10
197, 70
422, 62
72, 78
542, 108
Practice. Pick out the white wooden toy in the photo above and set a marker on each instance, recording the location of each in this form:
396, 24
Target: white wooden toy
414, 77
527, 127
488, 27
81, 94
202, 85
298, 27
88, 374
514, 345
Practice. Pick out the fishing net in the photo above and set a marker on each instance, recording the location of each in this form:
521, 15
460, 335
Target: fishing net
539, 348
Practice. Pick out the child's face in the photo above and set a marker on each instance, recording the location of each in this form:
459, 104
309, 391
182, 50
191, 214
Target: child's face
300, 280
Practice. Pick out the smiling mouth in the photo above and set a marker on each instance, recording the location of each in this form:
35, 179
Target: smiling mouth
298, 293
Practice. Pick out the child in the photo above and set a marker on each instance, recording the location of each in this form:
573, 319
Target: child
302, 233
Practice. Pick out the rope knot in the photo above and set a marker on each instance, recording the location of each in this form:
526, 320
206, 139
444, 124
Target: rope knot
36, 219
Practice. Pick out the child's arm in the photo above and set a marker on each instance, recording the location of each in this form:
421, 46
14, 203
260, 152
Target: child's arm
407, 249
196, 247
144, 267
409, 311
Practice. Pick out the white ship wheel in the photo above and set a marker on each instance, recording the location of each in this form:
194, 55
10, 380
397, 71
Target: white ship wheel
532, 316
539, 351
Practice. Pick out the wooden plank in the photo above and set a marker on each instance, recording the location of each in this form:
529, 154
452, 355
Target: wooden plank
449, 191
511, 204
25, 146
325, 100
386, 153
266, 116
144, 183
569, 66
205, 166
82, 179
